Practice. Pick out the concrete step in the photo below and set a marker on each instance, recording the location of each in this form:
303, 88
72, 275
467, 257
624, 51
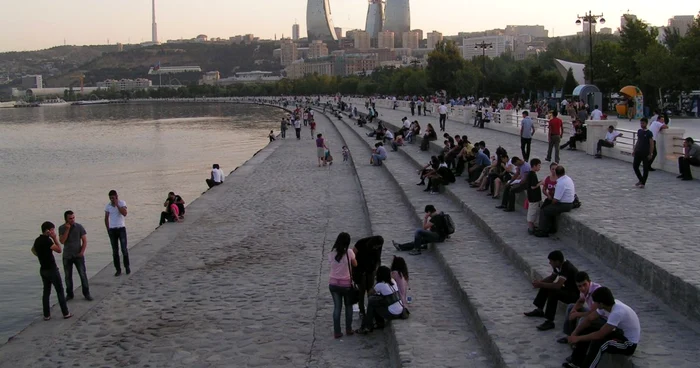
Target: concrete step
438, 332
610, 226
663, 329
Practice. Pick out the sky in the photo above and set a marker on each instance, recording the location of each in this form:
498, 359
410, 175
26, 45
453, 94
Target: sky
38, 24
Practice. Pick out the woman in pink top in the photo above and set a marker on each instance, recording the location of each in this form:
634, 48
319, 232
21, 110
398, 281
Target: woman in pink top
340, 282
548, 184
399, 272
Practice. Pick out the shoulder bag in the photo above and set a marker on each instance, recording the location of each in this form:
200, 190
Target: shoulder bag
354, 293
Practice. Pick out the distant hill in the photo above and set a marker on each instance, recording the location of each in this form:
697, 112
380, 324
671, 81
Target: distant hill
135, 62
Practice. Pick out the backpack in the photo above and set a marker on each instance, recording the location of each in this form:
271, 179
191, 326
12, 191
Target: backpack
449, 224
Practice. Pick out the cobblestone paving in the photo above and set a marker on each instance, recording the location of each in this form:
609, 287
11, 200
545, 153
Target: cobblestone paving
437, 334
658, 223
663, 329
243, 286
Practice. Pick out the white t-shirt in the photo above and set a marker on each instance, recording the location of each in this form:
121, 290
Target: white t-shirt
311, 113
406, 124
297, 124
596, 115
610, 137
565, 190
389, 135
383, 288
217, 175
116, 219
622, 317
442, 109
655, 128
443, 165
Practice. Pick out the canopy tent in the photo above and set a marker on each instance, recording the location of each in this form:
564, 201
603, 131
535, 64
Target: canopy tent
577, 68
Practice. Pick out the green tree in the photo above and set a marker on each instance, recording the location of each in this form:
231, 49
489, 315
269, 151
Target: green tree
606, 73
635, 37
569, 83
443, 63
672, 37
689, 58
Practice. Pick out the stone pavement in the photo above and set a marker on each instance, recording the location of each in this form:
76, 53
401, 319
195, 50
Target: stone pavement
663, 330
244, 285
439, 332
650, 233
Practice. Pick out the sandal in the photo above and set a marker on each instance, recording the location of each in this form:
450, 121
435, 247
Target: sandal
47, 318
338, 335
349, 332
69, 315
363, 331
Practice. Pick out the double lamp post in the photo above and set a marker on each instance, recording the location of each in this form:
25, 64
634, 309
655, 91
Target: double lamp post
591, 20
483, 46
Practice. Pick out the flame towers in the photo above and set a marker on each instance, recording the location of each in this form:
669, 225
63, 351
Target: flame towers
375, 18
319, 24
398, 16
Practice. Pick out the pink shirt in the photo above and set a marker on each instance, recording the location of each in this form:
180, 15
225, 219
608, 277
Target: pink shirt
402, 285
175, 210
340, 272
588, 298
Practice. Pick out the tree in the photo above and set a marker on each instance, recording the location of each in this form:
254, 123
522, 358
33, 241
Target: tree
569, 83
689, 57
672, 37
607, 75
443, 63
635, 37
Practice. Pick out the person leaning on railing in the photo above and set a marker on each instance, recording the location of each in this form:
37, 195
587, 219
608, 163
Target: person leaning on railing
691, 156
609, 141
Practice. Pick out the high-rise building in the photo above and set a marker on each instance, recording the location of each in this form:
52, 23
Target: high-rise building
587, 28
536, 31
606, 30
338, 32
288, 52
398, 16
319, 23
626, 18
433, 38
362, 40
500, 45
420, 34
410, 40
375, 18
154, 26
385, 40
682, 23
317, 49
295, 32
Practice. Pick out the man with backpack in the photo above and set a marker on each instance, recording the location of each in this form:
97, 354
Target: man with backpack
437, 226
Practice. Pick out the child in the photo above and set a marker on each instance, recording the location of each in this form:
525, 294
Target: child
329, 158
272, 135
346, 153
534, 195
313, 128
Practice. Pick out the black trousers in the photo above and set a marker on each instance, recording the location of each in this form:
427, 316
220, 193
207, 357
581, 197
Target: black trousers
509, 193
79, 263
52, 278
549, 214
684, 166
548, 299
525, 148
413, 111
443, 120
166, 216
603, 143
588, 353
643, 159
364, 282
212, 183
298, 131
653, 155
377, 313
473, 175
459, 169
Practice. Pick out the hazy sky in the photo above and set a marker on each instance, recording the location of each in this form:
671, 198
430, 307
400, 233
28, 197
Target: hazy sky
36, 24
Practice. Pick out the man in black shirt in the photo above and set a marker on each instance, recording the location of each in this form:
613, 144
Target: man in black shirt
559, 286
368, 253
434, 231
643, 152
43, 248
534, 195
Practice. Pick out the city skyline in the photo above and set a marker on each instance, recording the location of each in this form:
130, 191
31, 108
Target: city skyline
42, 24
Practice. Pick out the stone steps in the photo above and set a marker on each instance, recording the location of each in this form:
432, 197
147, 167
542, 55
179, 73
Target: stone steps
663, 330
438, 333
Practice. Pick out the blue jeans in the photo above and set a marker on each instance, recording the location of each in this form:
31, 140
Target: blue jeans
52, 278
117, 236
377, 159
79, 263
421, 237
341, 294
569, 325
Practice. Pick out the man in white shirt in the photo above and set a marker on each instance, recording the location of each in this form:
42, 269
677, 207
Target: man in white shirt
563, 201
442, 110
217, 176
297, 128
115, 221
619, 335
609, 141
656, 127
596, 114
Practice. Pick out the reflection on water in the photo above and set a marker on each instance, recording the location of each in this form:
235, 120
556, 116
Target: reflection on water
60, 158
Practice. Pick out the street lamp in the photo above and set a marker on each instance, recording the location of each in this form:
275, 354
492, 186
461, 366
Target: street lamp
483, 46
591, 20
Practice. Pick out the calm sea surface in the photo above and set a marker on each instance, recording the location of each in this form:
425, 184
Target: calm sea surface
57, 158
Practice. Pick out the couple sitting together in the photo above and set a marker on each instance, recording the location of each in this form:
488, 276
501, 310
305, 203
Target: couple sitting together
174, 209
437, 172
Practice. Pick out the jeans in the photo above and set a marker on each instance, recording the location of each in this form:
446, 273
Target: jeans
378, 312
443, 121
298, 131
551, 297
421, 237
340, 296
377, 159
79, 263
284, 133
509, 193
117, 236
52, 278
641, 158
549, 213
684, 166
603, 143
569, 325
525, 148
554, 141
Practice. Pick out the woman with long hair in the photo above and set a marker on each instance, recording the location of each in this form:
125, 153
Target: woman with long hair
341, 260
384, 303
399, 272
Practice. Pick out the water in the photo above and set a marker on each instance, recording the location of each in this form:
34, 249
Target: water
57, 158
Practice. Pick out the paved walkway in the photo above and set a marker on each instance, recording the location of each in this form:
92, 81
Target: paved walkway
658, 223
244, 285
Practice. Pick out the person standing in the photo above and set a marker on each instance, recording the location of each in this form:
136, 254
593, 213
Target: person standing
74, 239
297, 127
341, 260
412, 104
115, 221
596, 114
643, 152
556, 132
527, 130
419, 104
43, 249
283, 128
321, 149
691, 156
655, 128
312, 127
442, 110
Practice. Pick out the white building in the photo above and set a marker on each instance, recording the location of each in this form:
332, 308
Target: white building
125, 84
499, 45
295, 32
682, 22
433, 38
256, 76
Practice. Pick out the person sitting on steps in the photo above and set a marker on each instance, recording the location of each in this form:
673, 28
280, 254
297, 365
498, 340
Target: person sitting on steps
428, 169
384, 303
434, 231
562, 201
575, 313
430, 135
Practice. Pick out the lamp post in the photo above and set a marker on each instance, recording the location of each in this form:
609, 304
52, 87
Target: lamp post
591, 20
483, 46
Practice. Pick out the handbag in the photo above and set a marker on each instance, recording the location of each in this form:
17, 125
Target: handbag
354, 293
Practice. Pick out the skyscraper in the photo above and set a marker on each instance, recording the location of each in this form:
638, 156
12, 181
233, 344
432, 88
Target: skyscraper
319, 24
295, 32
154, 26
398, 16
375, 18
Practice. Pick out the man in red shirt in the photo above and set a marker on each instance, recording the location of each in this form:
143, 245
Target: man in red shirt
556, 131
